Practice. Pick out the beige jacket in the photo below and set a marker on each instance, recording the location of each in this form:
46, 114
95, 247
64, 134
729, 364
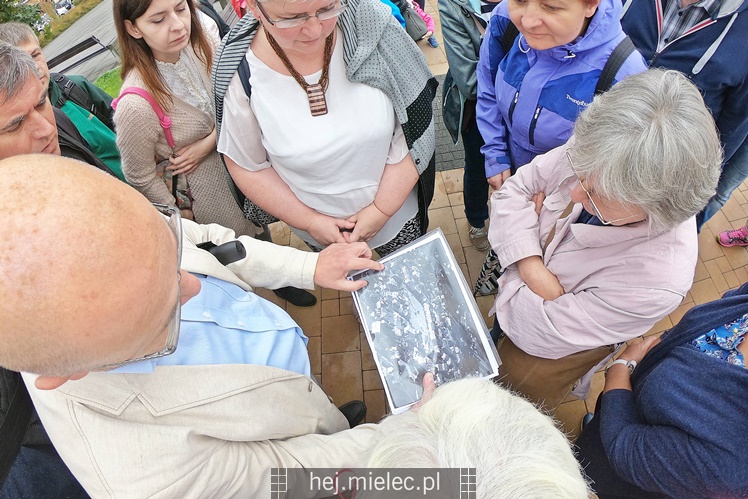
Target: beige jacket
142, 144
201, 431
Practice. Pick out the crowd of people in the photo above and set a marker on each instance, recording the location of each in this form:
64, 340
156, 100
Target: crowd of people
136, 363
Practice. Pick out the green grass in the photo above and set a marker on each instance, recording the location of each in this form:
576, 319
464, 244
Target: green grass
110, 82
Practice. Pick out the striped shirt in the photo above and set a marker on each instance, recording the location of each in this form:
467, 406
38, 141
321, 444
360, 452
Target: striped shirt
677, 20
486, 8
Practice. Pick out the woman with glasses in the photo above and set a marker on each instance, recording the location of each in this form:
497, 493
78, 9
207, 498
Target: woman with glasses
330, 130
532, 87
166, 52
597, 237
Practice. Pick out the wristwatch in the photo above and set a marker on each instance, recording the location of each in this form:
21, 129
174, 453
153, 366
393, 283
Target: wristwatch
631, 364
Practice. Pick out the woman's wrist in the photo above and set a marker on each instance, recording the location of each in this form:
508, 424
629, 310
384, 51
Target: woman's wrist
617, 376
209, 143
380, 210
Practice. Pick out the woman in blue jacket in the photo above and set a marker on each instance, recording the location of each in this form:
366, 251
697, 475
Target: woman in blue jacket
530, 96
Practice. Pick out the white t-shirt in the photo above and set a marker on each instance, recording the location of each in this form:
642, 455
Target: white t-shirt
332, 163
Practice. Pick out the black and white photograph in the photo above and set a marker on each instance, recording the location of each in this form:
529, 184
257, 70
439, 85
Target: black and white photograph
420, 317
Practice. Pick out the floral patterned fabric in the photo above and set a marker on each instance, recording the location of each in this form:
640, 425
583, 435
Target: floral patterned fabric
722, 342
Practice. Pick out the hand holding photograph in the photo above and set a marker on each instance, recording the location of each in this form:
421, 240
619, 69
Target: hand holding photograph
419, 316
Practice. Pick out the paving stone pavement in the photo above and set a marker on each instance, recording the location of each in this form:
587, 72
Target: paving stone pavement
449, 156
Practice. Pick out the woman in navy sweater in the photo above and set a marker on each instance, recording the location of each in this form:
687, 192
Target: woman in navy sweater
677, 425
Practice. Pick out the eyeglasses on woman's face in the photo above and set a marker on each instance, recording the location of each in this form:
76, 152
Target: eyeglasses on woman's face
333, 11
592, 202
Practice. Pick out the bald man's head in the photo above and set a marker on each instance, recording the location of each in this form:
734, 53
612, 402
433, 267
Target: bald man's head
88, 268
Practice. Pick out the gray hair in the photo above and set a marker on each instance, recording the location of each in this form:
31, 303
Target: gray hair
650, 142
516, 450
16, 33
18, 67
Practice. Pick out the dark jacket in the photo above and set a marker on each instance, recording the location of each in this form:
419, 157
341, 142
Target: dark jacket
89, 109
715, 57
682, 431
100, 101
72, 145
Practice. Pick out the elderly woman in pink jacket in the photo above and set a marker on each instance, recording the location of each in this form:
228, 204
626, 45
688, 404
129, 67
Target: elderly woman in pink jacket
598, 237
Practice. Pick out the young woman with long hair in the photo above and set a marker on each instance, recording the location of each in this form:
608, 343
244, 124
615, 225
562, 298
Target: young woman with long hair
166, 52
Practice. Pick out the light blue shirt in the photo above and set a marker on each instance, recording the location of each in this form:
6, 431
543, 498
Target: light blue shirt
224, 324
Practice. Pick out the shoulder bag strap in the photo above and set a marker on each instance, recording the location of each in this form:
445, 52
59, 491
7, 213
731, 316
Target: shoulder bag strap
619, 55
552, 233
163, 119
480, 23
510, 34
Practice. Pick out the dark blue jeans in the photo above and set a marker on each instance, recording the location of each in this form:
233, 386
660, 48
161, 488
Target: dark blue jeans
734, 172
474, 183
39, 472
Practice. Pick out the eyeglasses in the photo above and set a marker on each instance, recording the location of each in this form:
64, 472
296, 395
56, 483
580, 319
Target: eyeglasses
173, 219
294, 22
589, 196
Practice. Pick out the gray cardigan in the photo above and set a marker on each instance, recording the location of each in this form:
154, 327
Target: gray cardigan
462, 40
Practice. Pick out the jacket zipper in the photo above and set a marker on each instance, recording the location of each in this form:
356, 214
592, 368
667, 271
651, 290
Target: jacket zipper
514, 104
693, 29
533, 123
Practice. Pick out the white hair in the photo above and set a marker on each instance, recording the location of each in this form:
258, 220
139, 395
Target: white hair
517, 451
651, 142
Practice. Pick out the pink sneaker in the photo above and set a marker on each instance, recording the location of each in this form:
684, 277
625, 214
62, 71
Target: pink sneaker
737, 237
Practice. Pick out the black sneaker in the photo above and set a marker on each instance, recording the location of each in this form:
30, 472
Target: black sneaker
296, 296
354, 411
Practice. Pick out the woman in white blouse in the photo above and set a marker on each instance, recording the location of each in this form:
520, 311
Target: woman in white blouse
325, 154
167, 52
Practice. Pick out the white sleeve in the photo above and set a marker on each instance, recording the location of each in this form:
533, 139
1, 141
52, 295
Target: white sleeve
241, 137
398, 146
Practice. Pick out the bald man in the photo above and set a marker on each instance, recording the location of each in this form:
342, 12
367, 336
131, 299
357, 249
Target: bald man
29, 466
138, 402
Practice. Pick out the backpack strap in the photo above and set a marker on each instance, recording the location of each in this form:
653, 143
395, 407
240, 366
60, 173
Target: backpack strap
72, 92
619, 55
207, 8
507, 40
243, 71
230, 58
163, 119
16, 422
